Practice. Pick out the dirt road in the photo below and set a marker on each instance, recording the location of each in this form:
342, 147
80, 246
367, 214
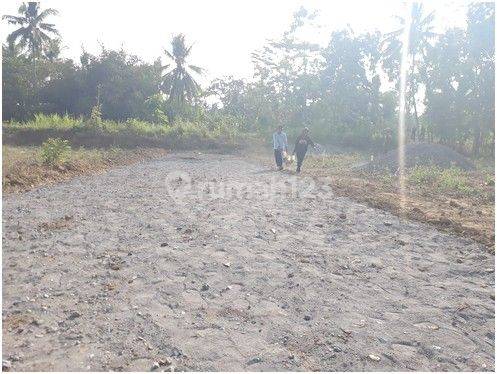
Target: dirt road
120, 272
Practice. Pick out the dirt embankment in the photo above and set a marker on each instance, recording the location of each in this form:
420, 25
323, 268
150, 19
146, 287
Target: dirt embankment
469, 214
23, 170
109, 272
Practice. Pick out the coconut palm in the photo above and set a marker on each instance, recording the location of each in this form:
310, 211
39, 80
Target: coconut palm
420, 36
33, 35
179, 83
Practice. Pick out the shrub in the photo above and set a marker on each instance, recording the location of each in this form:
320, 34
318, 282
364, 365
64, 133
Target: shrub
96, 116
450, 180
55, 151
137, 127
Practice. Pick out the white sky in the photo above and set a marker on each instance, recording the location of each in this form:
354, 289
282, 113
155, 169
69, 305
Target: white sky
224, 32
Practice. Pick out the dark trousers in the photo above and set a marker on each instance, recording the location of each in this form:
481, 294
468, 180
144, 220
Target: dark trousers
278, 157
300, 159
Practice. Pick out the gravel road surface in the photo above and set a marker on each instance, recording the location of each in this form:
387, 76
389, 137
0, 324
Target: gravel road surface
210, 262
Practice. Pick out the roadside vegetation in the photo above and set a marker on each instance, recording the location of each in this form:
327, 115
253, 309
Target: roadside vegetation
25, 168
207, 133
452, 199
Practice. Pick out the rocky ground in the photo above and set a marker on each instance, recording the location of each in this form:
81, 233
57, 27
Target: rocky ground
251, 270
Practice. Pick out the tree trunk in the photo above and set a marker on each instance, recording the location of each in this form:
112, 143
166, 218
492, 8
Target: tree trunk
477, 142
416, 119
34, 64
33, 97
413, 98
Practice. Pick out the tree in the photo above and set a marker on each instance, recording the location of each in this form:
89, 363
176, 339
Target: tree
231, 92
351, 86
34, 35
17, 85
446, 86
480, 50
124, 85
52, 49
178, 83
122, 82
420, 36
286, 70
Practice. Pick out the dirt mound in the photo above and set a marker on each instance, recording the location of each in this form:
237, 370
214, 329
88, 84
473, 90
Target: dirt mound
420, 154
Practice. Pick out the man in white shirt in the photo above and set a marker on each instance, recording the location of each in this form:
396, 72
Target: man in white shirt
280, 144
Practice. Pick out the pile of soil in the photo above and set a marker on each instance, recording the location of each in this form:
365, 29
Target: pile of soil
420, 154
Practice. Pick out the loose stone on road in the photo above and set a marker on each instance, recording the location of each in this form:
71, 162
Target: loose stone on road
245, 280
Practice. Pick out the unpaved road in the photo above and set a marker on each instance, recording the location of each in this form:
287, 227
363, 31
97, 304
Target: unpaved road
108, 272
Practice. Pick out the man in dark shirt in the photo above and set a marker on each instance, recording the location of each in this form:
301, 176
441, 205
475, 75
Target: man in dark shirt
301, 144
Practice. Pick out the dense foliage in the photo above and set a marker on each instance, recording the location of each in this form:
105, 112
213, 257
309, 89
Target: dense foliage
119, 83
341, 91
346, 92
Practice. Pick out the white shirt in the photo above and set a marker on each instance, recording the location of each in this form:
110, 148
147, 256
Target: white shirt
280, 140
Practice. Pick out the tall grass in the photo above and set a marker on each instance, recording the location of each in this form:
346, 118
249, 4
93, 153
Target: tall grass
48, 121
449, 180
201, 131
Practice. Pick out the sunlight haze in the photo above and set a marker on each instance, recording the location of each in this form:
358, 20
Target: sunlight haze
225, 33
248, 186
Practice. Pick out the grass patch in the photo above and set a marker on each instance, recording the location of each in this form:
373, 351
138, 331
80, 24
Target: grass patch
489, 179
335, 161
208, 133
451, 180
52, 147
455, 180
24, 168
423, 175
63, 123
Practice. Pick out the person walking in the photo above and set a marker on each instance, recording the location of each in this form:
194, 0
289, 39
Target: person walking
280, 145
300, 149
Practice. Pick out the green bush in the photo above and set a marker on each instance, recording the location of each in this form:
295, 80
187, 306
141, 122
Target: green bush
55, 151
95, 120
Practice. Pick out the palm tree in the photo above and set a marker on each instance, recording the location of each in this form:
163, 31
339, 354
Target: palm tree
33, 34
178, 83
420, 35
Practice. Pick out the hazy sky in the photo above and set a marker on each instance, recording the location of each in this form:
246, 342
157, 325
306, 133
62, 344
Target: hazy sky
224, 32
